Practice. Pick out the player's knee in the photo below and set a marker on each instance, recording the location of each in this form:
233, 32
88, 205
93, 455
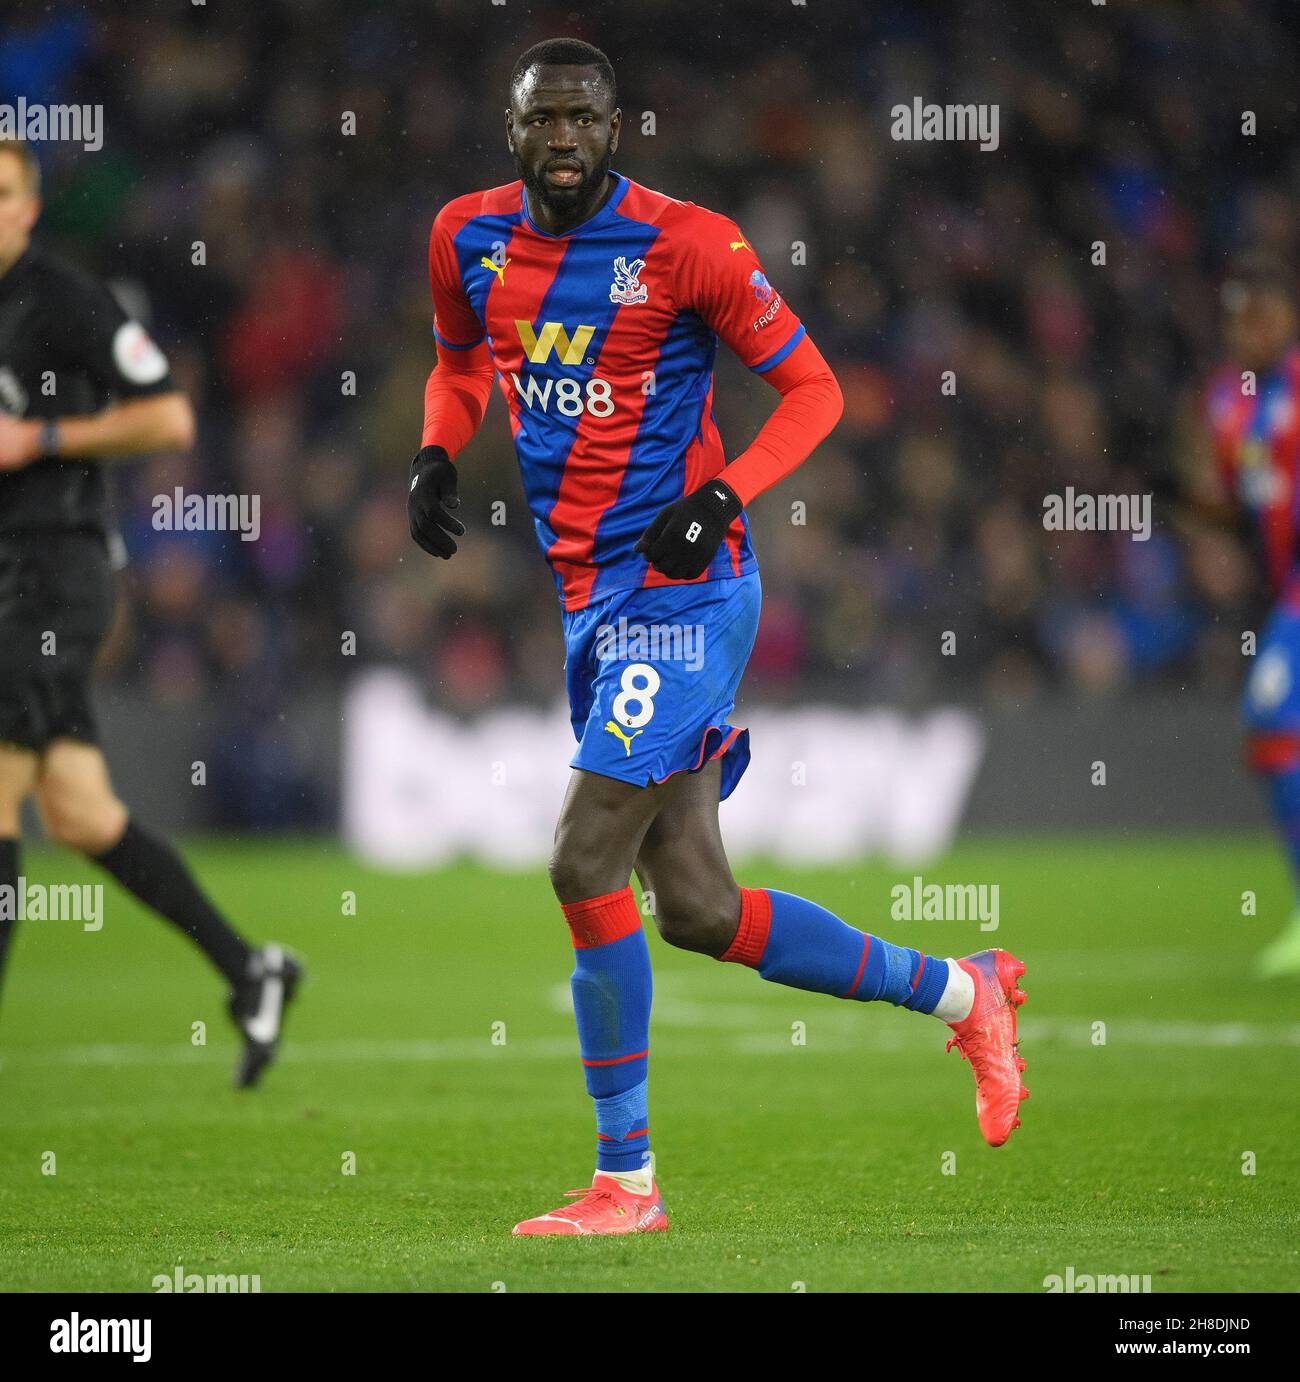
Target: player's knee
575, 873
17, 779
703, 920
90, 825
563, 875
11, 810
589, 858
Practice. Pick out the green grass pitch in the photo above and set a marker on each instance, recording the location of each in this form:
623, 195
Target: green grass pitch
786, 1165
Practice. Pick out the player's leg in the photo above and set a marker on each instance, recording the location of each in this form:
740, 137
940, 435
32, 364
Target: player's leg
81, 810
699, 906
683, 868
1271, 710
600, 829
20, 724
17, 780
791, 940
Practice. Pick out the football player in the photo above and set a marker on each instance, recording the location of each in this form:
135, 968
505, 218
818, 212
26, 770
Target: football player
597, 305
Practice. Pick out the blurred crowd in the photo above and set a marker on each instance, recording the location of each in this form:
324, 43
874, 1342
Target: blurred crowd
1119, 123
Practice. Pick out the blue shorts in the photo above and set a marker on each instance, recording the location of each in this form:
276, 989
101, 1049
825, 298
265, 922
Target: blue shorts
1270, 701
652, 677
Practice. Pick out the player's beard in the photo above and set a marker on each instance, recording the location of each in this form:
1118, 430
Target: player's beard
564, 201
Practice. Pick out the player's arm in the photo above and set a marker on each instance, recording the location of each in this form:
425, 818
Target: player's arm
811, 404
724, 284
1205, 466
148, 412
455, 399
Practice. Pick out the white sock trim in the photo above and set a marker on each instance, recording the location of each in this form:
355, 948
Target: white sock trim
958, 997
637, 1182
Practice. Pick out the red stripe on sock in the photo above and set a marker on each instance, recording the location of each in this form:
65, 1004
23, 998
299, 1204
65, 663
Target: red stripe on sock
862, 964
755, 925
602, 920
619, 1060
1273, 753
636, 1132
920, 969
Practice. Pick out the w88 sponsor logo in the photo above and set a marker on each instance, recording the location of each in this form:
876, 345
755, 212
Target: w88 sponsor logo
568, 395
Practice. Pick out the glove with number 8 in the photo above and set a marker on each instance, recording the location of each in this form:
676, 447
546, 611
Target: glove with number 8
683, 538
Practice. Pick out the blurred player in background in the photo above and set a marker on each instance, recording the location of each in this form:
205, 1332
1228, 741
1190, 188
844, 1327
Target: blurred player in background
599, 304
81, 383
1253, 410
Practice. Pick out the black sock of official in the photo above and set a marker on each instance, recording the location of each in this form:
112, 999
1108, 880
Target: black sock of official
8, 898
152, 870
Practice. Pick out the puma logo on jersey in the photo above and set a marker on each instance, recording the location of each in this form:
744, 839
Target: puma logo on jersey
615, 730
498, 269
741, 244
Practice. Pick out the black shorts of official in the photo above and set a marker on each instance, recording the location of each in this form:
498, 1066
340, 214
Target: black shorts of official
56, 605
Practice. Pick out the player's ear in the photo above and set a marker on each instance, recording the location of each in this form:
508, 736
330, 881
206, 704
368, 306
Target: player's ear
510, 131
615, 123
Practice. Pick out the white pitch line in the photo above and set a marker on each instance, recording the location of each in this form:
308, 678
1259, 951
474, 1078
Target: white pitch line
1126, 1031
774, 1039
338, 1052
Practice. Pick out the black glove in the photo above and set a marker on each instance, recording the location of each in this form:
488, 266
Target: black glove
683, 539
432, 493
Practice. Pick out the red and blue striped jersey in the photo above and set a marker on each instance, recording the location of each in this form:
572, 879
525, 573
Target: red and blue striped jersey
604, 341
1257, 447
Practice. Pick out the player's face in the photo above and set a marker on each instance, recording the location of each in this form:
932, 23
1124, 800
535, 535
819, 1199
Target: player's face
18, 209
562, 130
1261, 325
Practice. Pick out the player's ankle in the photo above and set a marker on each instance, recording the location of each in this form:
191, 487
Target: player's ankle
958, 996
639, 1182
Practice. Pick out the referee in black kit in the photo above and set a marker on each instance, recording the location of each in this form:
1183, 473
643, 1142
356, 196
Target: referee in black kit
80, 383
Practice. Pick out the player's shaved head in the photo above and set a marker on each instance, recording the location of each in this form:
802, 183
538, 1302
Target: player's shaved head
564, 52
562, 130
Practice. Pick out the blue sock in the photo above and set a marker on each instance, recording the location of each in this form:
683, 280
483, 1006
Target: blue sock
790, 940
611, 1001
